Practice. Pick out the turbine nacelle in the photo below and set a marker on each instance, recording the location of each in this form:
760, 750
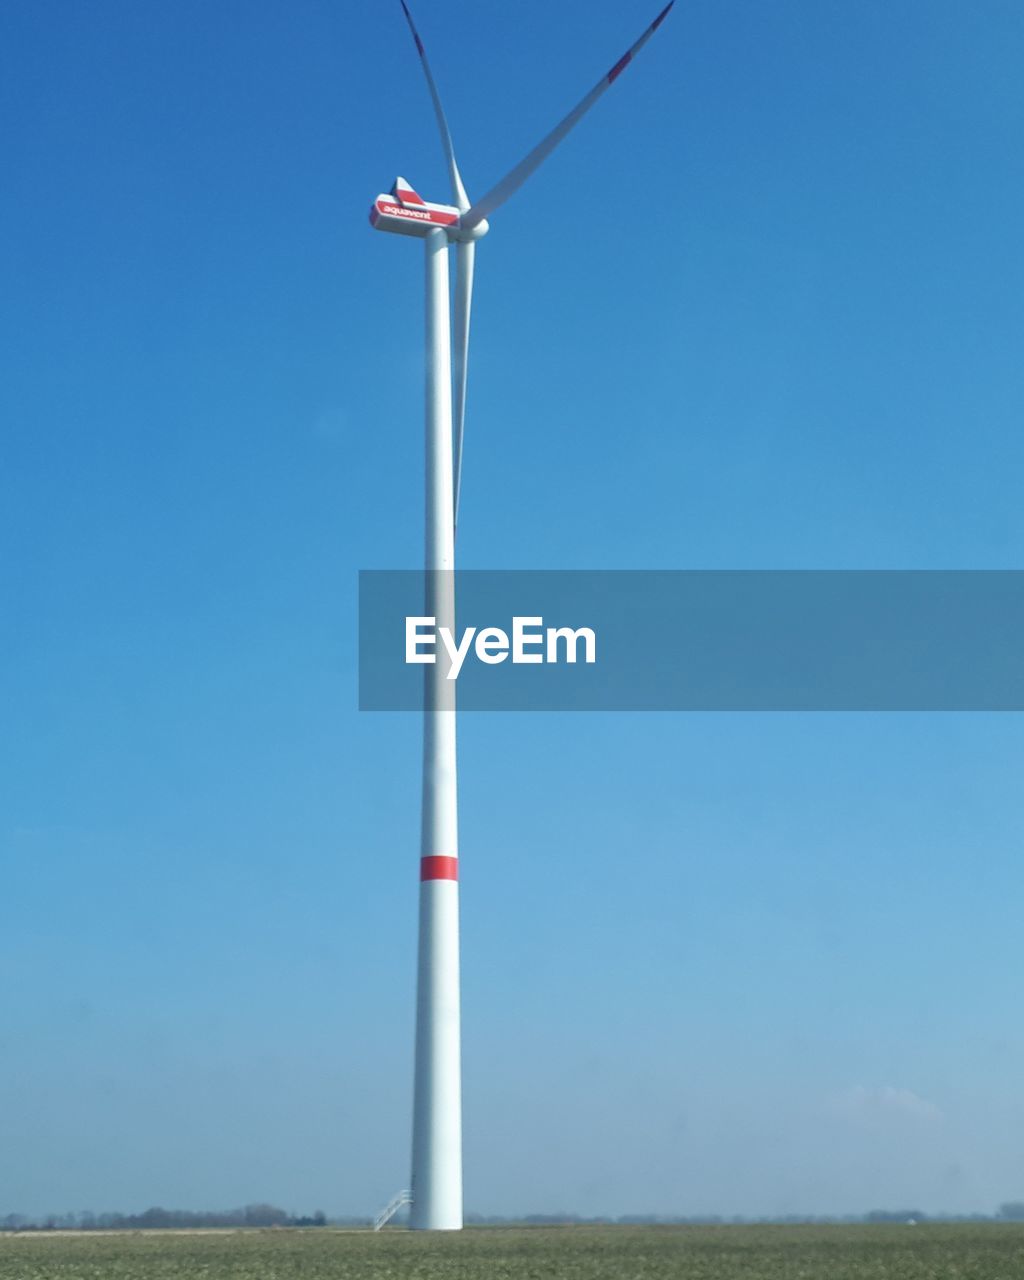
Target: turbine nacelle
405, 212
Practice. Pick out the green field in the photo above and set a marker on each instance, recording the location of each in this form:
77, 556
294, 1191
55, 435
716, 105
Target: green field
923, 1252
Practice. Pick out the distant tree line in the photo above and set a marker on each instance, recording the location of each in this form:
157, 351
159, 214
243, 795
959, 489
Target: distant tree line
252, 1215
1012, 1211
268, 1215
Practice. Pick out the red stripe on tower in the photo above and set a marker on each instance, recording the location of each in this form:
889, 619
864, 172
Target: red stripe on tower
439, 868
619, 67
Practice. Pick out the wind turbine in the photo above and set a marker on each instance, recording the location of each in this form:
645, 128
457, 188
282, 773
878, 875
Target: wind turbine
437, 1094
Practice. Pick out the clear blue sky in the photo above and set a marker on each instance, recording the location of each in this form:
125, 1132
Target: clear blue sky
763, 310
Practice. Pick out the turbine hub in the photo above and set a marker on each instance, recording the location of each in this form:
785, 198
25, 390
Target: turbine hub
464, 235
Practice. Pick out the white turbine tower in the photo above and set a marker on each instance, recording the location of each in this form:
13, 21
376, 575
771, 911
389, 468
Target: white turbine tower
437, 1100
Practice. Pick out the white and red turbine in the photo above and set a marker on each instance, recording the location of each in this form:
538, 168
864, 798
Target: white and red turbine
437, 1101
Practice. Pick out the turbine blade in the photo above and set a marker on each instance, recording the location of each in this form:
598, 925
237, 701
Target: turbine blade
458, 190
464, 255
514, 180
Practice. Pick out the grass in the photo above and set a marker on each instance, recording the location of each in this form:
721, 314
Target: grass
924, 1252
